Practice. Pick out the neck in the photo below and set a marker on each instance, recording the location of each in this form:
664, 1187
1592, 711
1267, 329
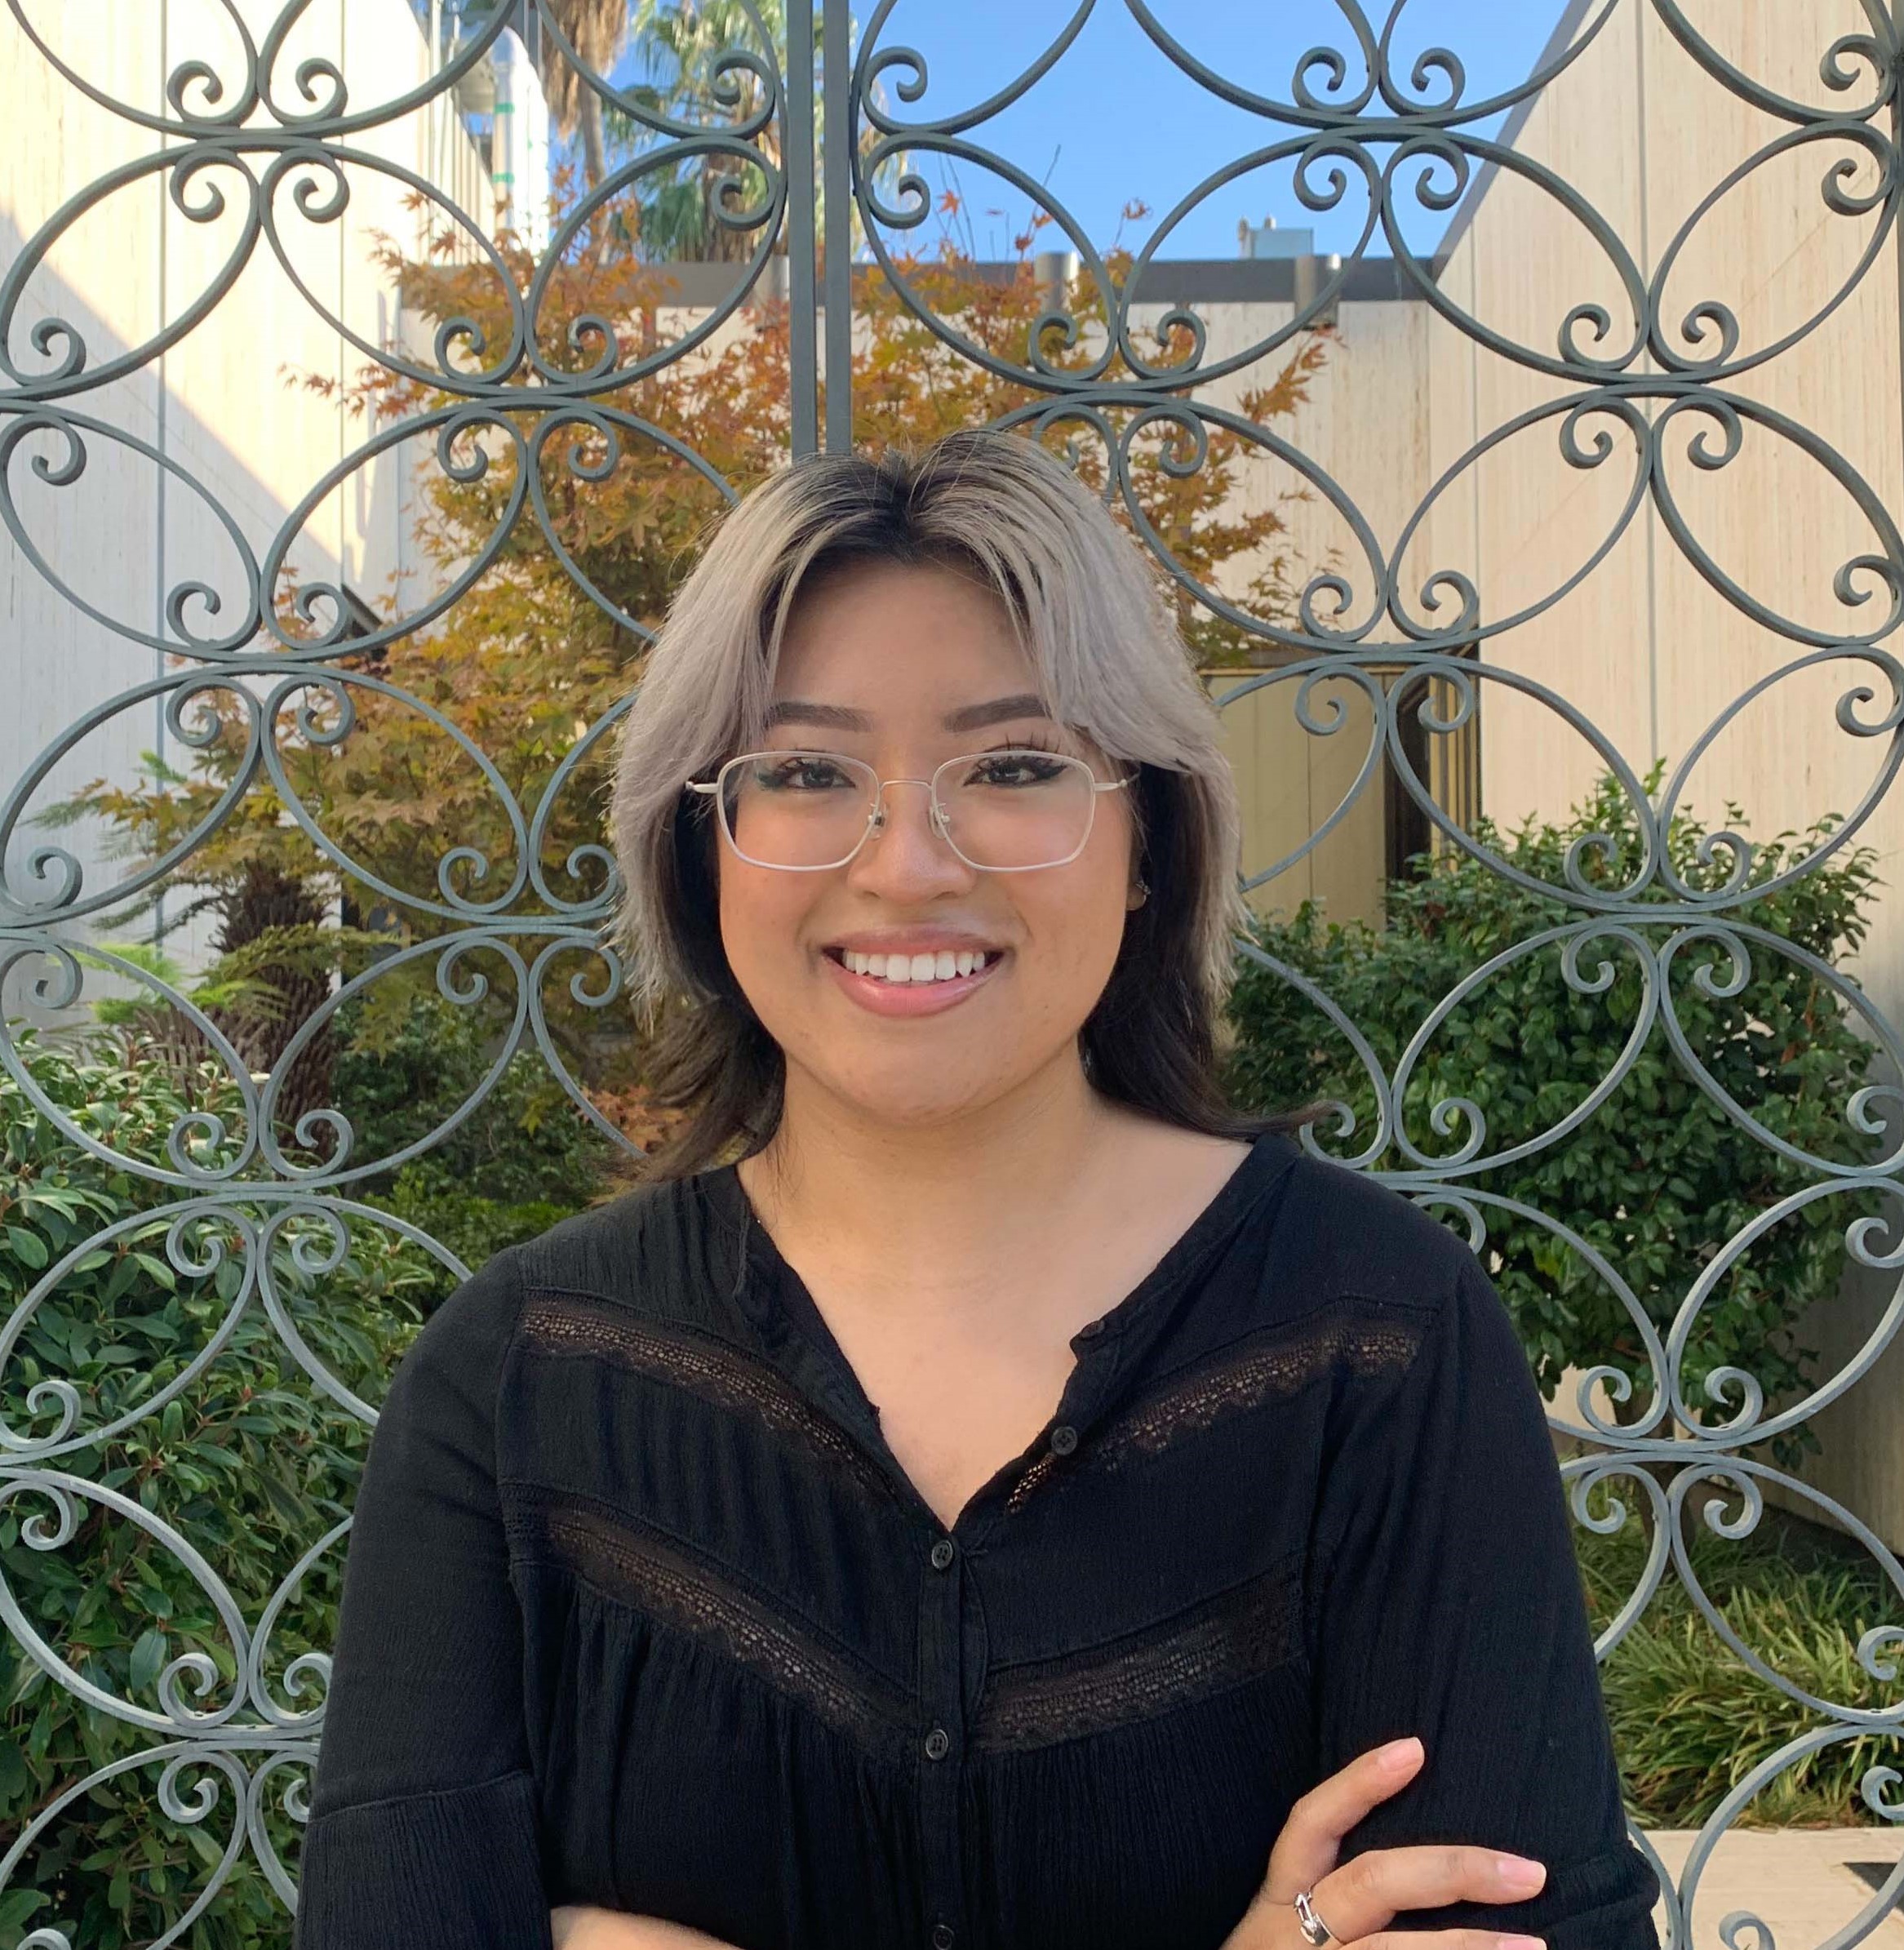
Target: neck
917, 1206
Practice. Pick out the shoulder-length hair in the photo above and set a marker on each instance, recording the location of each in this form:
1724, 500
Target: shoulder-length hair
1108, 662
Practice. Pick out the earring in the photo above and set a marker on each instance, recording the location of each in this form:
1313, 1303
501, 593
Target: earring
1142, 890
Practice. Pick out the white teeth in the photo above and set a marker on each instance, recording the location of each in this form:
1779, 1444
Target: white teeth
941, 967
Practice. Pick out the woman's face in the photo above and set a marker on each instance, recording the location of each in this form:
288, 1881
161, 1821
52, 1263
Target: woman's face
877, 658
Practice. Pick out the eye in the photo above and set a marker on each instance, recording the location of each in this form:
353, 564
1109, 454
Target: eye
801, 772
1016, 766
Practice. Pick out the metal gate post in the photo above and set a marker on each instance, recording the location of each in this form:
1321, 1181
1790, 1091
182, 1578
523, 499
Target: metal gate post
800, 349
837, 207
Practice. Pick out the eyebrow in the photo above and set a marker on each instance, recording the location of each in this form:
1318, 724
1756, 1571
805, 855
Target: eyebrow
842, 718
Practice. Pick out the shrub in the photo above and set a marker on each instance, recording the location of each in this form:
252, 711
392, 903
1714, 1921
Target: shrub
525, 1143
1659, 1177
465, 1223
250, 1463
524, 1158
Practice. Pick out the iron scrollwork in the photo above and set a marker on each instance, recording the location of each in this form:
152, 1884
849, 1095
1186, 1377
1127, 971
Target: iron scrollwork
1655, 381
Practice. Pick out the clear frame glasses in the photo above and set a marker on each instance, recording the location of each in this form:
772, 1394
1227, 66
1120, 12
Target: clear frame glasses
1008, 811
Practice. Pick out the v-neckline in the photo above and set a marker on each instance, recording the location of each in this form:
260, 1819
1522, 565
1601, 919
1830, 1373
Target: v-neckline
778, 1299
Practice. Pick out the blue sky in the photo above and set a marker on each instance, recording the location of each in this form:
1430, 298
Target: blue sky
1115, 120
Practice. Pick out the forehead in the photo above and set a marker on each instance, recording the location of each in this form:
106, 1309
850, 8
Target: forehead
900, 639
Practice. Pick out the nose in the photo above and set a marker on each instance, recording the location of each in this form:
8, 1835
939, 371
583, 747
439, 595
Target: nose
904, 858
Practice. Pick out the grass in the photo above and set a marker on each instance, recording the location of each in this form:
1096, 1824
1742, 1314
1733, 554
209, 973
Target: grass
1690, 1719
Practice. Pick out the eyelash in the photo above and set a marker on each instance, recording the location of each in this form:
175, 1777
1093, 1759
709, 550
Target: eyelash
1037, 741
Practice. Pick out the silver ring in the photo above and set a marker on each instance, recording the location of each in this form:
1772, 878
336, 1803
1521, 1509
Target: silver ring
1313, 1930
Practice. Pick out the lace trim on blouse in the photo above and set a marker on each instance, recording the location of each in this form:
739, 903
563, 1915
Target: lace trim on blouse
1366, 1337
1222, 1642
1357, 1334
636, 1564
570, 1323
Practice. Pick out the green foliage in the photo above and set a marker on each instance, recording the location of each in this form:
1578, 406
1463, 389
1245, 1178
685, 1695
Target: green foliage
524, 1157
464, 1222
249, 1462
219, 989
1691, 1719
402, 1071
401, 1074
1658, 1177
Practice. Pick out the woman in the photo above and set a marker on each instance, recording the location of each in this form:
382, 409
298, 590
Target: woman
1012, 1500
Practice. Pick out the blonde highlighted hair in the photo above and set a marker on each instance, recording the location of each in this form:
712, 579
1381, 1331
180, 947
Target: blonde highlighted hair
1107, 663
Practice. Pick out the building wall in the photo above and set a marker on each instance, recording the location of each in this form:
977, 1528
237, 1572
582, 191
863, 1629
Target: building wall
1645, 647
1365, 425
227, 405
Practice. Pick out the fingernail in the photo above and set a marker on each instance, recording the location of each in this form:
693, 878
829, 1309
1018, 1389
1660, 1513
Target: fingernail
1520, 1872
1520, 1942
1398, 1753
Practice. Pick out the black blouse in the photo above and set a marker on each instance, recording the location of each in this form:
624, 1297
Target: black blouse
640, 1611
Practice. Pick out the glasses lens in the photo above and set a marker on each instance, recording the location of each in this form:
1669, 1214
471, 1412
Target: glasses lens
1018, 807
797, 809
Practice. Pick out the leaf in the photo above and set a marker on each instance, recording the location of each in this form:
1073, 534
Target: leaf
203, 1846
285, 1501
160, 1273
149, 1658
16, 1905
28, 1248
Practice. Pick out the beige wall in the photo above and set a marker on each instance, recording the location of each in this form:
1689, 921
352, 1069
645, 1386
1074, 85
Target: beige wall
1290, 781
1646, 648
223, 404
1365, 423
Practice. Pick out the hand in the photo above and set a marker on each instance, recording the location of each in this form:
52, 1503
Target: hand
581, 1927
1359, 1900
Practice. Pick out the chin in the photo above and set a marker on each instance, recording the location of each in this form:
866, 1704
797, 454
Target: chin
914, 1095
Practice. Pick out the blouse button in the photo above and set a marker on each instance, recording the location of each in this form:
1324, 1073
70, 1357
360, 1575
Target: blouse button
1063, 1439
937, 1745
942, 1936
942, 1553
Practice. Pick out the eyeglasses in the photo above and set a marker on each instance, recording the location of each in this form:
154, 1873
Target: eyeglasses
1006, 810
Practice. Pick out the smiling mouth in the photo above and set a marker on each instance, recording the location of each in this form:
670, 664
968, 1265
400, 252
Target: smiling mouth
921, 970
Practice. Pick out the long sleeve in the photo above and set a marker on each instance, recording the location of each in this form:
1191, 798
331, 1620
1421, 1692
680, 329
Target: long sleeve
424, 1831
1449, 1606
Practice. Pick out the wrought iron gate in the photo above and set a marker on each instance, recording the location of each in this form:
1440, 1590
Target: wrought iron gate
246, 1198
